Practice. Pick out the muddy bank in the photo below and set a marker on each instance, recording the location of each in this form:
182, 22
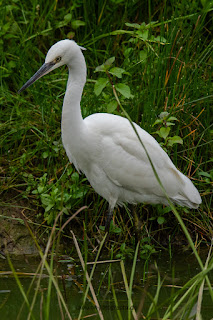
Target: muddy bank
14, 235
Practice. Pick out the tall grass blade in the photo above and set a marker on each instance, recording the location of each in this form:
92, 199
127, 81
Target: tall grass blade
115, 299
200, 294
20, 287
153, 306
89, 286
47, 305
132, 277
130, 303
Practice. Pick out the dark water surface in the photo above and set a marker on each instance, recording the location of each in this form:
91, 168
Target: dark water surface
173, 272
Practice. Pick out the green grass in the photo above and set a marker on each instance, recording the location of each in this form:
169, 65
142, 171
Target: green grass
173, 76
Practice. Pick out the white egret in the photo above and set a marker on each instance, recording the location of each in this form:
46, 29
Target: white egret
106, 149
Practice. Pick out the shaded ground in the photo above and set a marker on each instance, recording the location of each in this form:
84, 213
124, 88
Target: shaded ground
14, 235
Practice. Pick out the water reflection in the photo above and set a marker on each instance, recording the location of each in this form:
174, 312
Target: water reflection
174, 273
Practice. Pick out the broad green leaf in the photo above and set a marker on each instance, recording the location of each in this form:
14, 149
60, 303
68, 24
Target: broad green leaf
163, 115
109, 61
117, 72
111, 107
100, 68
160, 39
77, 23
117, 230
11, 64
46, 199
49, 217
124, 90
173, 140
157, 122
170, 123
143, 55
133, 25
105, 66
69, 170
143, 34
205, 174
100, 85
55, 191
172, 119
49, 207
40, 189
163, 132
68, 17
75, 177
160, 220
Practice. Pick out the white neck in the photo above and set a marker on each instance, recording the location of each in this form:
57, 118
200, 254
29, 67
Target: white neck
72, 120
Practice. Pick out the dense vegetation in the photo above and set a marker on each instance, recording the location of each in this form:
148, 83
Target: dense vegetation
160, 62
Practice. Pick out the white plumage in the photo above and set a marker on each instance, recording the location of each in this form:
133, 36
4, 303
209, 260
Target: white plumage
106, 148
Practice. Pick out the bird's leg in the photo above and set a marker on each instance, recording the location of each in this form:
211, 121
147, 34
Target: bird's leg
108, 219
137, 225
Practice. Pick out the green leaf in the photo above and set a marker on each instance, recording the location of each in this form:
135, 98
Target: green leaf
205, 174
69, 170
77, 23
133, 25
109, 61
163, 115
49, 217
163, 132
111, 107
100, 85
160, 220
117, 72
173, 140
143, 34
46, 199
160, 39
106, 65
143, 55
172, 119
116, 230
170, 124
40, 189
54, 192
75, 177
49, 207
157, 122
45, 154
11, 64
124, 90
68, 17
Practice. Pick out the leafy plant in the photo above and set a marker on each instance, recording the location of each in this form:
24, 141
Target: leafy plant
125, 252
60, 196
161, 214
112, 74
166, 121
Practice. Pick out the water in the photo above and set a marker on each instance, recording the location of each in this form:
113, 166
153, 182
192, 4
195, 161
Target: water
173, 272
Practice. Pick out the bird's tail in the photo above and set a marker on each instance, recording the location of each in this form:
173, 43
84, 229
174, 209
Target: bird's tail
189, 195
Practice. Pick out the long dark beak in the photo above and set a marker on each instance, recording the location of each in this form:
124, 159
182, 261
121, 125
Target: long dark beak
45, 68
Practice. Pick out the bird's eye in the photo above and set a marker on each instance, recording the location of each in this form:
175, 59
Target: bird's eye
58, 59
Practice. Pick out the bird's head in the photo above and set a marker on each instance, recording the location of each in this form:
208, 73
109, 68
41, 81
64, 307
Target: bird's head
59, 54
